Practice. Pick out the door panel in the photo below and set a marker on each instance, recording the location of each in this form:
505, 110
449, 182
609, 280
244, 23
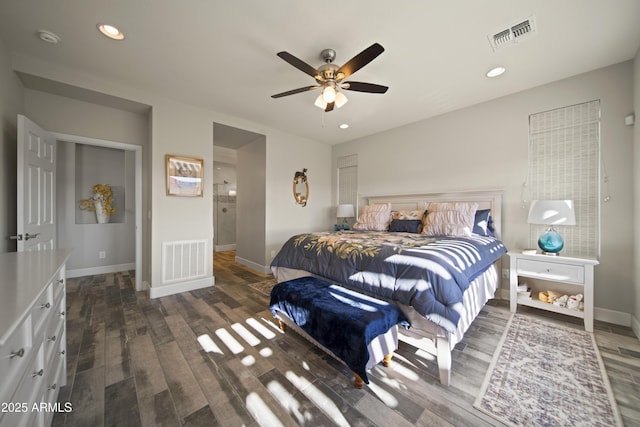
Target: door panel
36, 187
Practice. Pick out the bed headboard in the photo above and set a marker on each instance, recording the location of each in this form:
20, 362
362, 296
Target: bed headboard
486, 199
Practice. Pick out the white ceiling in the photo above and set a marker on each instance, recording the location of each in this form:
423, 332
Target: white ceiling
221, 55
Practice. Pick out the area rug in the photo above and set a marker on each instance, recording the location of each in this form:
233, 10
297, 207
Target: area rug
546, 374
264, 287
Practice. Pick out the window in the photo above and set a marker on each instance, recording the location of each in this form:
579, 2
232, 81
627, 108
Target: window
564, 159
348, 180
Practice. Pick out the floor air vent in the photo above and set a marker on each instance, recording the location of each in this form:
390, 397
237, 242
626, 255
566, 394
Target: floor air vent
513, 34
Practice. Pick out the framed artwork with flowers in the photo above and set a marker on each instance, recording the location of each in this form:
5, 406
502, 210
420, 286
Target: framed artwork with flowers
184, 176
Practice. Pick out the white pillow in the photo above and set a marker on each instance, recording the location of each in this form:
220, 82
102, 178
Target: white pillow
450, 219
374, 218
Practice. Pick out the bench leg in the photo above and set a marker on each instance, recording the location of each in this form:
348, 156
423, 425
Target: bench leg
283, 326
387, 359
359, 382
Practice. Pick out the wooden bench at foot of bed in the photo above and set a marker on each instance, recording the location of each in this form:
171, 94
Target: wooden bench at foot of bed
358, 330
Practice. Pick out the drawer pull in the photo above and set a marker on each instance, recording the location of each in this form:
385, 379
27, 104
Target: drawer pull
47, 305
52, 339
38, 374
52, 387
18, 353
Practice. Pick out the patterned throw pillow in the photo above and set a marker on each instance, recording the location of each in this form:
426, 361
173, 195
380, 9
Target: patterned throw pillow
374, 218
450, 219
483, 224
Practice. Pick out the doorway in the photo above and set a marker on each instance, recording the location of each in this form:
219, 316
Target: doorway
135, 152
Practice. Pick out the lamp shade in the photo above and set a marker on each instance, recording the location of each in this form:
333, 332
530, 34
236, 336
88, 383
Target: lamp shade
552, 212
345, 211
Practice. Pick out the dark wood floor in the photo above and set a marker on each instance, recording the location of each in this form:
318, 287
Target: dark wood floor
135, 361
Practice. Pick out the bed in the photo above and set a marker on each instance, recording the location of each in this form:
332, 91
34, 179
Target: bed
440, 281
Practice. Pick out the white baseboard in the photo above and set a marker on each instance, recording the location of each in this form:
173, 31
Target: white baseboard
176, 288
106, 269
635, 326
261, 268
219, 248
604, 315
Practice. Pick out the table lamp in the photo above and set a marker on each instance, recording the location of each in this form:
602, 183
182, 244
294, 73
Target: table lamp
344, 212
551, 212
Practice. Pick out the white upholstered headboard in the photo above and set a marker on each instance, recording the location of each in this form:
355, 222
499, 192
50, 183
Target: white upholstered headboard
486, 199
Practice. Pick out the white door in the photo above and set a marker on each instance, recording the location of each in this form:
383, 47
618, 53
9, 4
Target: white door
36, 187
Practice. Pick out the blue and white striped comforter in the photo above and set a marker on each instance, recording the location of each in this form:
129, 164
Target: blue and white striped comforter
430, 274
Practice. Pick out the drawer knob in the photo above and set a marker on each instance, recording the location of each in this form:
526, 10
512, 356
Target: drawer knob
18, 353
60, 281
38, 373
61, 353
52, 387
62, 313
52, 339
47, 305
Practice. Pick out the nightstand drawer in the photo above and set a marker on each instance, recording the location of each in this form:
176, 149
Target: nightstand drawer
551, 271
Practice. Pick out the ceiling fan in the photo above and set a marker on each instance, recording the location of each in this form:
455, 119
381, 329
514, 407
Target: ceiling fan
330, 77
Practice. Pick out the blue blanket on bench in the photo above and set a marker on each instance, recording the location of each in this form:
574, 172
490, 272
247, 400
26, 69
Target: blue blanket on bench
342, 320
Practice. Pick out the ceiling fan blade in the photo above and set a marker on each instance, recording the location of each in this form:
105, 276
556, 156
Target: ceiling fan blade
364, 87
294, 91
300, 65
360, 60
330, 106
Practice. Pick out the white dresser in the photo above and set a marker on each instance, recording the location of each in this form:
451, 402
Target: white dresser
32, 336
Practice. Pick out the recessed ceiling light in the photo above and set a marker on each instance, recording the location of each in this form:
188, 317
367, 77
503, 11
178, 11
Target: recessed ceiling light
344, 126
110, 31
48, 36
495, 72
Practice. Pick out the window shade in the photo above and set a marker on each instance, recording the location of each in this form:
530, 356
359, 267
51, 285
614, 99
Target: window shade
564, 159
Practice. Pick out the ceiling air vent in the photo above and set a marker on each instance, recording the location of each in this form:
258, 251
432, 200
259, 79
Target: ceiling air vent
513, 34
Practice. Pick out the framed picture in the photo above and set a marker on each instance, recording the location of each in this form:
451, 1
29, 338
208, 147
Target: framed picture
184, 176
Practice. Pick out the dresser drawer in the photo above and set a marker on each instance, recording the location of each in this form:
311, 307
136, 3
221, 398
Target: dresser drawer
28, 393
551, 271
14, 358
41, 309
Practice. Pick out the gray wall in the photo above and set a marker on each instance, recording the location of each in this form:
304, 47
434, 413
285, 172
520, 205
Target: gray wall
11, 104
636, 192
73, 117
250, 203
485, 147
77, 228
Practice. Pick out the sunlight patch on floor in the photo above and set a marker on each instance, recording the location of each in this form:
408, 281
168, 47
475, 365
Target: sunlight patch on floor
260, 328
289, 402
246, 335
318, 398
228, 340
208, 345
260, 411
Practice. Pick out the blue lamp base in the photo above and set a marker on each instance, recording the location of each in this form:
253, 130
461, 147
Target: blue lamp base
551, 242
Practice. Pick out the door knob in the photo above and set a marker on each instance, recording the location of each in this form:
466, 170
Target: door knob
28, 236
17, 237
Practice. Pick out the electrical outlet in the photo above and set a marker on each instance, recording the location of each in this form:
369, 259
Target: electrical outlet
505, 273
102, 254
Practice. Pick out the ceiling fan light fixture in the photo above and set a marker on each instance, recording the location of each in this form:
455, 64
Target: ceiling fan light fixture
320, 102
340, 99
329, 94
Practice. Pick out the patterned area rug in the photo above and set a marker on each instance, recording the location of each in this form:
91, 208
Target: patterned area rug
545, 374
264, 287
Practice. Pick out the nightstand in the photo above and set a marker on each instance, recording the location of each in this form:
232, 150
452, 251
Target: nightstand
566, 275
